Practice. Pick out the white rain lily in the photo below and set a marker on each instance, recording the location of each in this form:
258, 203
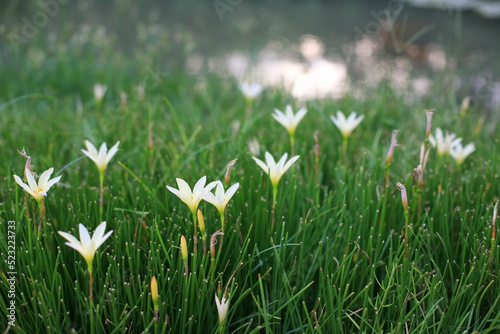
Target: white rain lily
273, 169
444, 143
99, 91
102, 157
87, 246
288, 119
222, 306
346, 125
250, 89
37, 190
221, 197
459, 153
192, 198
253, 146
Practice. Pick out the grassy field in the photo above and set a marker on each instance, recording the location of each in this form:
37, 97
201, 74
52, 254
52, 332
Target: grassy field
334, 261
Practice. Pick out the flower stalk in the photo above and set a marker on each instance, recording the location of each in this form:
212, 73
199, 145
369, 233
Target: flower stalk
404, 201
389, 156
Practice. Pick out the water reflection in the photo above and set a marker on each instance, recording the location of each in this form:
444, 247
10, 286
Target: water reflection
313, 50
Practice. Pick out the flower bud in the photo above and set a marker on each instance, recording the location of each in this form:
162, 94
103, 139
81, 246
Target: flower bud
184, 249
419, 176
493, 233
404, 197
390, 153
154, 293
228, 171
201, 223
429, 114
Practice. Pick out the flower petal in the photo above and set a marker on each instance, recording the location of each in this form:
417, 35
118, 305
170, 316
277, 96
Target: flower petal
290, 163
231, 191
262, 165
24, 185
31, 181
112, 151
84, 236
44, 178
270, 160
70, 238
91, 149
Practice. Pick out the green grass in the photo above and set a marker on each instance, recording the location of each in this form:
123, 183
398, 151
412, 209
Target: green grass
334, 261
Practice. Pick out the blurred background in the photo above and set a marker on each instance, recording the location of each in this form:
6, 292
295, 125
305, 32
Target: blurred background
313, 49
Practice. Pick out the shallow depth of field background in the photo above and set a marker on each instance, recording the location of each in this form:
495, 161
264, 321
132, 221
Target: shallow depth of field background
334, 261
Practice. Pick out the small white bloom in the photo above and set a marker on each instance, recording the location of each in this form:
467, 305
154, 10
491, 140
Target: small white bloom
288, 119
250, 90
37, 190
444, 143
459, 153
99, 91
87, 246
192, 198
222, 306
221, 198
102, 157
346, 125
253, 146
273, 169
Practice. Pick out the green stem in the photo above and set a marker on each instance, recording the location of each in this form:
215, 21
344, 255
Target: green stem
101, 195
195, 237
275, 193
91, 299
406, 233
344, 149
195, 246
41, 206
292, 144
223, 223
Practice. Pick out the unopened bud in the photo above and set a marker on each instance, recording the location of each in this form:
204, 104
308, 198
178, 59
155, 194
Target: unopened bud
141, 92
154, 292
493, 233
390, 153
213, 242
429, 114
150, 137
184, 249
419, 176
228, 171
123, 100
464, 106
201, 223
404, 197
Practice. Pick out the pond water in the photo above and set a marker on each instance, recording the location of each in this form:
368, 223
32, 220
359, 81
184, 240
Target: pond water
312, 48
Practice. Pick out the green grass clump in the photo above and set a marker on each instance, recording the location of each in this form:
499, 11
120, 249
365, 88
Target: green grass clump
334, 259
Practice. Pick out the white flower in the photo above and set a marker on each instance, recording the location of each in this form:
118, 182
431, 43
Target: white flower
250, 90
273, 169
346, 125
37, 190
102, 157
222, 306
288, 119
459, 153
444, 143
253, 146
99, 91
221, 198
192, 198
86, 246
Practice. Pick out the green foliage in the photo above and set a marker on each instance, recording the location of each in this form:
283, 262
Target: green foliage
334, 261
